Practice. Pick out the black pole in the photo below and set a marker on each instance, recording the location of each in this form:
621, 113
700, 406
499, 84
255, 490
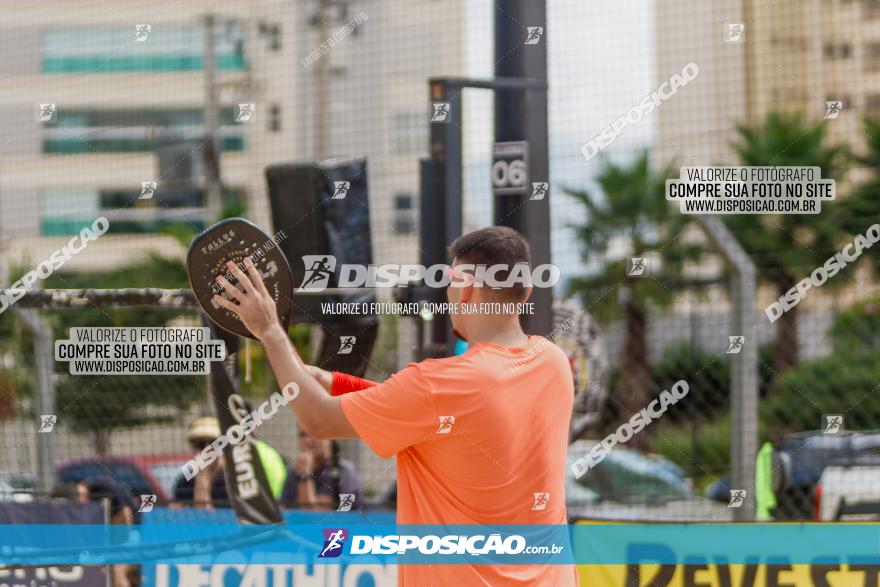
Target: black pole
444, 211
522, 116
335, 472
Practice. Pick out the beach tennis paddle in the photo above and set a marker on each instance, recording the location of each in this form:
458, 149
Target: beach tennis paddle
234, 239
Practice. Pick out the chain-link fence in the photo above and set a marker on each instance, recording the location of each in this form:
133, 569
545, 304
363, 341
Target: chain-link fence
114, 113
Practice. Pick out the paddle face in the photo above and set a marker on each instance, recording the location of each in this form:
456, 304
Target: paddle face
233, 240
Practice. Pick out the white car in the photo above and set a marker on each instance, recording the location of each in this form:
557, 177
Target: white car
849, 492
8, 493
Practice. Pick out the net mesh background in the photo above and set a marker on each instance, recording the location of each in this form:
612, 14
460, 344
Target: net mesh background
789, 83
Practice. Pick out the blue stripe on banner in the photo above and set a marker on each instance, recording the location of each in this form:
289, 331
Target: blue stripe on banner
206, 538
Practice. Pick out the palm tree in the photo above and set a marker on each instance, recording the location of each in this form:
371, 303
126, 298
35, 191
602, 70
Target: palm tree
861, 208
631, 206
787, 247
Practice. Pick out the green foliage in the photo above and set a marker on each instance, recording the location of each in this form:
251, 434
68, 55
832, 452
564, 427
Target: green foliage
16, 363
701, 449
233, 208
708, 378
843, 383
182, 232
858, 328
861, 207
630, 205
695, 433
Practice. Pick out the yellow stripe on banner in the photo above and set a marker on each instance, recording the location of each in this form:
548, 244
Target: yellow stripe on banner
719, 575
842, 575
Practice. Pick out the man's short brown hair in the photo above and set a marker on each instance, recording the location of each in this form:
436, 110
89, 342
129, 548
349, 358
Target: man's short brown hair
495, 245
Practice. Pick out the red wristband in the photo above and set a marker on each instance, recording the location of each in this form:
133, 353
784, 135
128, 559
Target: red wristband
344, 383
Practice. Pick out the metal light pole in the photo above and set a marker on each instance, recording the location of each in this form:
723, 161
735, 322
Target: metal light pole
521, 52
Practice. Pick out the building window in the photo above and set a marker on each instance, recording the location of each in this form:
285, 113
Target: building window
166, 48
275, 118
127, 131
872, 106
404, 214
272, 33
66, 211
837, 50
872, 56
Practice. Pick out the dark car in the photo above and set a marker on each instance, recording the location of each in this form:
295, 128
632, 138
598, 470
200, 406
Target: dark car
798, 464
150, 474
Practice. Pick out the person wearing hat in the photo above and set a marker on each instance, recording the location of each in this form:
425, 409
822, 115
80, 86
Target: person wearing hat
208, 487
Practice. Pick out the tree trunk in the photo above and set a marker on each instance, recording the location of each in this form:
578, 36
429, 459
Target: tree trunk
785, 355
7, 400
634, 388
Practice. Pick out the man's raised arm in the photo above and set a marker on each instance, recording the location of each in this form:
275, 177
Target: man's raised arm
319, 414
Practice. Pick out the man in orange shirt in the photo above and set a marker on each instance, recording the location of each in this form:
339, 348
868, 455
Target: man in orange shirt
480, 438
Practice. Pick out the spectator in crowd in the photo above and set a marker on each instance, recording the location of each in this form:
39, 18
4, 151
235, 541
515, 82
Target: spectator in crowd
122, 508
208, 487
78, 492
310, 482
122, 503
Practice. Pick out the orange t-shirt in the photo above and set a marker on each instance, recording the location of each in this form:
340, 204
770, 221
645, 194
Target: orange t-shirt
476, 436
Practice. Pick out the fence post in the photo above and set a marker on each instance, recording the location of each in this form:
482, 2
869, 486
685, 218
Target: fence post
44, 354
744, 365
